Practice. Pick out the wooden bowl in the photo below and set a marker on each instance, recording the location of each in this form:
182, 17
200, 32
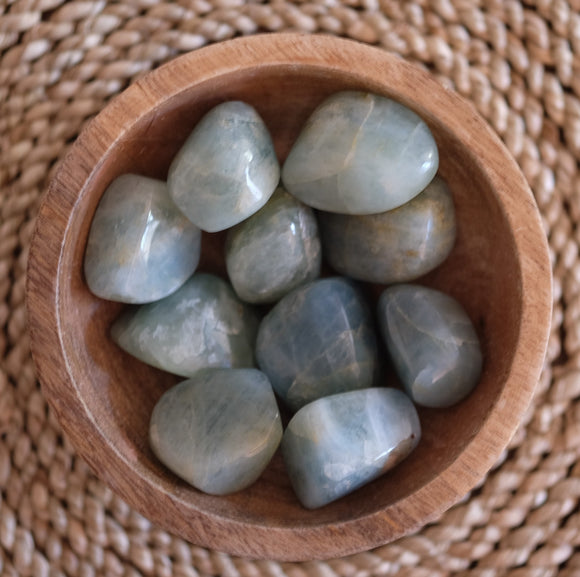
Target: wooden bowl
499, 270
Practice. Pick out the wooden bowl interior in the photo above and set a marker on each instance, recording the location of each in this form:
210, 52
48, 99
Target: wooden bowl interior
483, 273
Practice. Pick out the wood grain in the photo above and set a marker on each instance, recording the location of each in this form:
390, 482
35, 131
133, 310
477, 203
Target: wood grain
499, 270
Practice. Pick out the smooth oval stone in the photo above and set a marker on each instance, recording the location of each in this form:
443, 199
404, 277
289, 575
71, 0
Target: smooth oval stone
140, 246
226, 170
395, 246
337, 444
432, 342
201, 325
317, 341
273, 251
218, 430
360, 154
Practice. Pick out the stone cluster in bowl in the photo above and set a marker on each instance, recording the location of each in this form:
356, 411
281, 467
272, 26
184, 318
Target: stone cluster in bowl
368, 164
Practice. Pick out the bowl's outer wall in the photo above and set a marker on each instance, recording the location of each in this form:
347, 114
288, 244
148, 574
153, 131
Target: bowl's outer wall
499, 270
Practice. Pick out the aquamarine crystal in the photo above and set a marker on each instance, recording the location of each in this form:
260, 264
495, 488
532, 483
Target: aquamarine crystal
201, 325
226, 170
317, 341
396, 246
273, 251
140, 246
339, 443
360, 154
217, 430
432, 342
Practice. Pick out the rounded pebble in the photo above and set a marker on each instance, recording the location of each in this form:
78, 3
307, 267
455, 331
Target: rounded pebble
360, 153
140, 248
202, 325
218, 430
317, 341
339, 443
396, 246
273, 251
226, 170
432, 342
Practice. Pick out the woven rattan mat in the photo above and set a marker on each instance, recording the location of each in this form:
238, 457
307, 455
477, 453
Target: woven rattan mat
518, 62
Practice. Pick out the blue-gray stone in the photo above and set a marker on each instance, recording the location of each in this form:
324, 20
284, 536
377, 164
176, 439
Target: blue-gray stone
217, 430
226, 170
201, 325
399, 245
317, 341
432, 342
337, 444
273, 251
360, 154
140, 246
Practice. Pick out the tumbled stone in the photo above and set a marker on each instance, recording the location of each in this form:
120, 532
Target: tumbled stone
335, 445
360, 154
273, 251
399, 245
201, 325
432, 342
226, 170
217, 430
140, 246
318, 340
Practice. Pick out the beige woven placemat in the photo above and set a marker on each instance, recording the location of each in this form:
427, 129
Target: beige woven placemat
519, 62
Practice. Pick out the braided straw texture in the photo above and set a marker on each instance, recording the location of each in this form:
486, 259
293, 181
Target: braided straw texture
518, 62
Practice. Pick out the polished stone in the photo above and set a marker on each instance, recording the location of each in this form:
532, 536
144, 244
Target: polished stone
360, 154
226, 170
273, 251
335, 445
217, 430
317, 341
432, 342
140, 246
399, 245
202, 325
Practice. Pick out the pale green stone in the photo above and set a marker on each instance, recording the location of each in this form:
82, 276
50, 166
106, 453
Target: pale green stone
217, 430
337, 444
140, 246
318, 340
432, 342
399, 245
226, 170
201, 325
360, 154
273, 251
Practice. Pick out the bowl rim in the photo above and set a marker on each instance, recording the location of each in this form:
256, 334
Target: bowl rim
262, 541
